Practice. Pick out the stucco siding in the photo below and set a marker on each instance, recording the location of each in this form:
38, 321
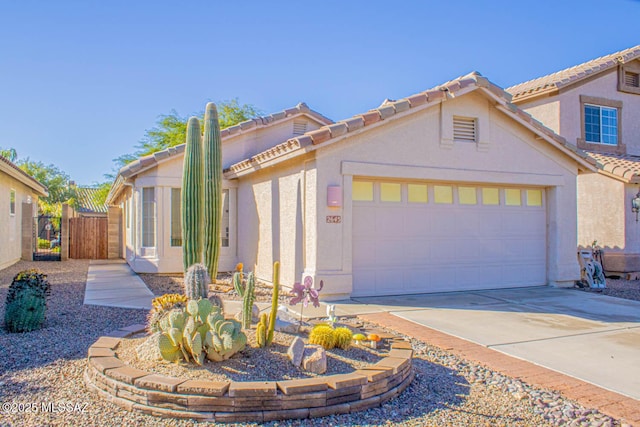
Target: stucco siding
271, 222
600, 214
548, 112
11, 224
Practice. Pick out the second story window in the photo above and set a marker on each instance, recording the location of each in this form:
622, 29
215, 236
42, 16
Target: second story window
600, 124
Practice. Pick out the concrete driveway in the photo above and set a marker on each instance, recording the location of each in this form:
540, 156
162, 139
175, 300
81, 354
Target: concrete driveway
591, 337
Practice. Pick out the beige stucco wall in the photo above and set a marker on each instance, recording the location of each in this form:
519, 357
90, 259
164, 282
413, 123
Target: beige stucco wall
11, 225
601, 217
414, 147
271, 221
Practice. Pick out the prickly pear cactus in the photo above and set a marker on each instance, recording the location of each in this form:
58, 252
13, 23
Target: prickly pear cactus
26, 302
196, 282
224, 340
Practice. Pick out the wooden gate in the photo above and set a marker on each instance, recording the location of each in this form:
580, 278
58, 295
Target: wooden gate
88, 238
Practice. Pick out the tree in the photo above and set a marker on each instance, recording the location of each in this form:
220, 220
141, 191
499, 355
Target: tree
171, 129
9, 154
57, 183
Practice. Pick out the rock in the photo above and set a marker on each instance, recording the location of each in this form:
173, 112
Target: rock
296, 351
149, 349
286, 327
255, 315
314, 359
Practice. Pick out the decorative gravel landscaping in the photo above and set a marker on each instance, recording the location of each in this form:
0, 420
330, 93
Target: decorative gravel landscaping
47, 366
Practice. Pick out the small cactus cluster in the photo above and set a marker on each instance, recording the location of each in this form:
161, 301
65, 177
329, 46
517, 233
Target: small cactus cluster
267, 325
324, 335
161, 306
197, 331
245, 288
196, 282
26, 301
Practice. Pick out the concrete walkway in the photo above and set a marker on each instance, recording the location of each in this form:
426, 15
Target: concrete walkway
112, 283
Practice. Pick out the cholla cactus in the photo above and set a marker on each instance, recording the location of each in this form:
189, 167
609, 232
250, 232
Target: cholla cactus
196, 282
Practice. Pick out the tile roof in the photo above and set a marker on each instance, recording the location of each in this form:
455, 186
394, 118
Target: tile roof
625, 167
12, 169
389, 108
153, 159
87, 203
569, 76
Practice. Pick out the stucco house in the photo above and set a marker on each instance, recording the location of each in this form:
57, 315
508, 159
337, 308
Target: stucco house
596, 107
17, 189
454, 188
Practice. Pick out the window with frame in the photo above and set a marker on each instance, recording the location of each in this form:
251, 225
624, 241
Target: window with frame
224, 233
12, 202
148, 217
600, 124
176, 217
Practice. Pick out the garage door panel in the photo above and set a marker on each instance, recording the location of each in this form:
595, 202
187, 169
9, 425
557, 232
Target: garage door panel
403, 247
417, 222
390, 253
366, 221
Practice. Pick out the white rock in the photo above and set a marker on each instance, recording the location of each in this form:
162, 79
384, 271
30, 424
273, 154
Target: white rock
149, 349
314, 359
296, 351
255, 314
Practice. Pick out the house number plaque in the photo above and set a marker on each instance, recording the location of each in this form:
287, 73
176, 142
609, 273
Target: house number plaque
334, 219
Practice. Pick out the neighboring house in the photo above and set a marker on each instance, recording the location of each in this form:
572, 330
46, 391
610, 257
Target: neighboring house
450, 189
16, 188
596, 107
87, 206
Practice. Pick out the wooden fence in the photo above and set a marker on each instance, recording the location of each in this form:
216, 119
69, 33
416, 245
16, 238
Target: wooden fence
88, 238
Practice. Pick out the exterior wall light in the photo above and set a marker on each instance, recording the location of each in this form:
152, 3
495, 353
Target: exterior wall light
334, 196
635, 205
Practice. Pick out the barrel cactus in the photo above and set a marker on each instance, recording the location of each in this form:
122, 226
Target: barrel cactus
26, 302
192, 195
196, 282
343, 337
323, 335
212, 189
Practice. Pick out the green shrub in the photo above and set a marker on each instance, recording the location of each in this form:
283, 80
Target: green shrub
26, 301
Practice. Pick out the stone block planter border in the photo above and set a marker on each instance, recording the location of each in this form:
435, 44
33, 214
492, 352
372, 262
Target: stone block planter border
235, 401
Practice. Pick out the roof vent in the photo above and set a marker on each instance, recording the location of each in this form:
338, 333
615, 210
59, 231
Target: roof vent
464, 129
631, 79
299, 127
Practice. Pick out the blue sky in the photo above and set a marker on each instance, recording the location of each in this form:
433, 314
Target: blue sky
80, 81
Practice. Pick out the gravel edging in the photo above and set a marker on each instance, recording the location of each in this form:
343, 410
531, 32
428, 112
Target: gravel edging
47, 366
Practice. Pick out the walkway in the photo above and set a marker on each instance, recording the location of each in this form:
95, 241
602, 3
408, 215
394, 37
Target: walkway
112, 283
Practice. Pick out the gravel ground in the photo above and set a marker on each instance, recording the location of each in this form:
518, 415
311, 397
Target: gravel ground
173, 284
46, 366
620, 288
267, 364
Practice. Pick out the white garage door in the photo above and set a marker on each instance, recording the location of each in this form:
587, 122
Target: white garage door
430, 237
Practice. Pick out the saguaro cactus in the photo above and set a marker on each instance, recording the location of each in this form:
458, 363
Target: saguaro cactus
192, 193
212, 189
